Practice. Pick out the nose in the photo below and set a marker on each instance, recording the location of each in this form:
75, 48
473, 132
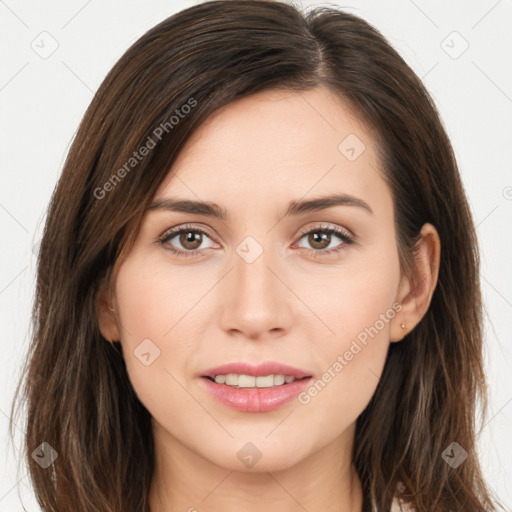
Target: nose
256, 302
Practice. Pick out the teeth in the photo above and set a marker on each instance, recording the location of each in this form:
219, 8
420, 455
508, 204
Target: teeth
249, 381
244, 381
265, 382
278, 380
231, 379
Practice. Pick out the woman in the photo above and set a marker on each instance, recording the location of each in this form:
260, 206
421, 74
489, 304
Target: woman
258, 282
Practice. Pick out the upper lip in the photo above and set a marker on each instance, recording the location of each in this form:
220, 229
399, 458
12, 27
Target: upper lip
260, 370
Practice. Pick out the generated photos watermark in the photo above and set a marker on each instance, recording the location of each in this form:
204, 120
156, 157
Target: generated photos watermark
343, 360
145, 149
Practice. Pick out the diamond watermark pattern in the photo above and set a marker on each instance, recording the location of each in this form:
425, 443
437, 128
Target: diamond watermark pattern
249, 454
249, 249
44, 455
454, 455
35, 248
146, 352
351, 147
45, 45
454, 45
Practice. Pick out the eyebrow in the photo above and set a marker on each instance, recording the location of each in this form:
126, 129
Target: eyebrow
296, 207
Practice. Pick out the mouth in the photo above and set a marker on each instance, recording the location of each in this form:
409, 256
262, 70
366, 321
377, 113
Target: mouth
251, 381
249, 388
263, 375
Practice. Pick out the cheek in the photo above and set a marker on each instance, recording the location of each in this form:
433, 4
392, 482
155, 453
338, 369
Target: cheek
359, 309
353, 298
161, 313
150, 308
157, 301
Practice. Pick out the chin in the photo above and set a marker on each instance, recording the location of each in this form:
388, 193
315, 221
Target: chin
257, 456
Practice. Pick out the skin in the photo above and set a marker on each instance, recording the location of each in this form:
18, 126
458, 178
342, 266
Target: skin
252, 158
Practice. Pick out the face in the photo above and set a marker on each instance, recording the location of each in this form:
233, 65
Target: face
312, 288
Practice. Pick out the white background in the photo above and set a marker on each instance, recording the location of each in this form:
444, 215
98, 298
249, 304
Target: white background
43, 100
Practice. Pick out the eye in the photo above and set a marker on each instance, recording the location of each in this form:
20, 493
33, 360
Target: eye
190, 238
321, 237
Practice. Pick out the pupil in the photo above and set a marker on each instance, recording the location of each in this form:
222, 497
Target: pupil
190, 237
317, 238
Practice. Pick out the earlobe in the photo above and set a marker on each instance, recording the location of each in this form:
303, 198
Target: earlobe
107, 316
415, 292
399, 326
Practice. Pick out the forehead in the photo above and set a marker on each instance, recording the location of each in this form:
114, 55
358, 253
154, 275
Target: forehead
277, 144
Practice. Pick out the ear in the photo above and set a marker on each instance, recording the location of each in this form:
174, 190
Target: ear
105, 308
415, 292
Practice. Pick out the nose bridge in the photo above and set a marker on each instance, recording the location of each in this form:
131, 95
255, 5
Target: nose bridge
255, 300
252, 269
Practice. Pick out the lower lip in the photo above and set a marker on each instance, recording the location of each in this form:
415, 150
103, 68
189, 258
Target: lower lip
255, 399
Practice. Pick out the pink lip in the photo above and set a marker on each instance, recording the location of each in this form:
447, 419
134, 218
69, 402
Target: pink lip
267, 368
256, 399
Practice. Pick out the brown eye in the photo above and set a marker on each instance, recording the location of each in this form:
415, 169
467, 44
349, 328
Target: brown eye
319, 241
185, 241
320, 238
190, 240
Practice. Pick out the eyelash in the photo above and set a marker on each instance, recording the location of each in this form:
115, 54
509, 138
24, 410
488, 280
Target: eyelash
342, 234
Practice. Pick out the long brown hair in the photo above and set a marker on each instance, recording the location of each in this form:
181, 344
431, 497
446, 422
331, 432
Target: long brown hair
75, 387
